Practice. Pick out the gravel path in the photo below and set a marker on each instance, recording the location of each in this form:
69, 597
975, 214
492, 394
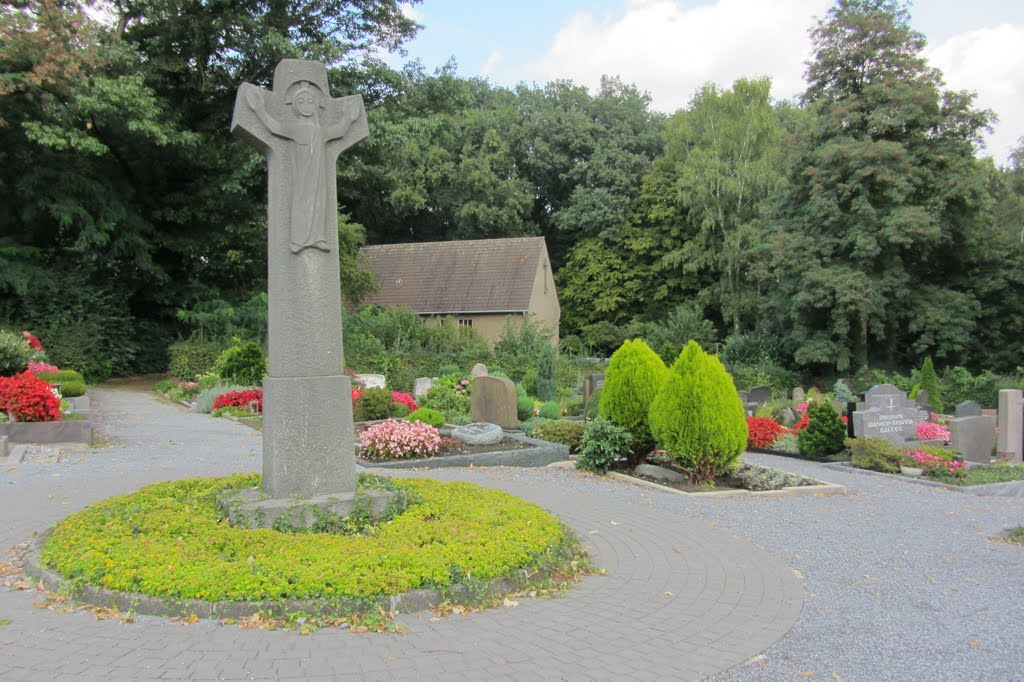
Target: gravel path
900, 581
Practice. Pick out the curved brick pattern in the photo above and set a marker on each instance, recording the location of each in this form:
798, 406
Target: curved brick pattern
681, 600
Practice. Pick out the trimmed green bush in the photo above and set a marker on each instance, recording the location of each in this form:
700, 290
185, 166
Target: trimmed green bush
399, 411
244, 362
697, 416
14, 353
72, 389
375, 403
524, 407
602, 445
61, 377
170, 540
591, 409
427, 416
875, 454
635, 374
547, 385
824, 434
189, 359
550, 410
930, 383
568, 433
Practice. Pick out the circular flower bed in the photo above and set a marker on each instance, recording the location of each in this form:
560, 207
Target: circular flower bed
170, 540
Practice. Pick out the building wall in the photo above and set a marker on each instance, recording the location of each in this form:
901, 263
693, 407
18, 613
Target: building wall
488, 326
544, 299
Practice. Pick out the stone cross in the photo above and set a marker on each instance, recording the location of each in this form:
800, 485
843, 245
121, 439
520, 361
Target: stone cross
308, 446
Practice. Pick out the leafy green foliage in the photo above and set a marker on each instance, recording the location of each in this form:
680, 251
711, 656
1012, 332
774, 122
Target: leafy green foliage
602, 445
375, 403
594, 404
875, 454
842, 392
127, 543
824, 434
243, 362
547, 385
189, 359
14, 353
449, 396
427, 416
635, 374
206, 397
524, 407
697, 417
550, 410
930, 383
568, 433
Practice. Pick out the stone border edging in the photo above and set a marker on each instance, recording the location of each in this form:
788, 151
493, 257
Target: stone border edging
983, 490
824, 488
72, 431
542, 453
412, 601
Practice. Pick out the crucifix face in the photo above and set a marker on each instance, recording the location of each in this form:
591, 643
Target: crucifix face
306, 102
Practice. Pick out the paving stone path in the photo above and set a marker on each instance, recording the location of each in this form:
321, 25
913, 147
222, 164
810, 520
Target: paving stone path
681, 599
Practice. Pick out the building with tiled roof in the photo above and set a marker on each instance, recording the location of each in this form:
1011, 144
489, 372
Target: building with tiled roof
477, 282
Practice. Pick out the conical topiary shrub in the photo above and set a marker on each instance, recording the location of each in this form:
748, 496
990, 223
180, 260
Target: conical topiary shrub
825, 433
930, 383
634, 376
546, 381
697, 416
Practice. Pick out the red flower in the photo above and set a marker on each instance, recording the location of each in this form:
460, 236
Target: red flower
404, 399
240, 399
762, 432
804, 421
28, 398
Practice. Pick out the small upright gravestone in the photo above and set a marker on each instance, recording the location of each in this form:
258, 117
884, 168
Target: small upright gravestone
968, 408
422, 385
591, 384
308, 456
799, 396
886, 413
372, 380
973, 437
1011, 423
493, 400
479, 370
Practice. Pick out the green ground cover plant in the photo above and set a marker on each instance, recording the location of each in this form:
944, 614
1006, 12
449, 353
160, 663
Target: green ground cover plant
982, 475
568, 433
874, 454
170, 540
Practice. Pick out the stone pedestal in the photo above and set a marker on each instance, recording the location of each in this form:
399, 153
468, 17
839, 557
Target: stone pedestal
1011, 424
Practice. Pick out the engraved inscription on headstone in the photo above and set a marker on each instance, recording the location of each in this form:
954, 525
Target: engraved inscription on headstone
886, 413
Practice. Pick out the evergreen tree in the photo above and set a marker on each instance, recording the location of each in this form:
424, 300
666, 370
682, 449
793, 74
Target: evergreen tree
635, 374
930, 383
884, 197
825, 433
697, 416
546, 379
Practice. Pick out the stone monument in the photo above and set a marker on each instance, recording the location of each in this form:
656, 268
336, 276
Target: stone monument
886, 413
1011, 425
308, 452
493, 400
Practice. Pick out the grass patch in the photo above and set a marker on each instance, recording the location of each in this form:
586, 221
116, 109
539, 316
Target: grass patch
1016, 535
169, 540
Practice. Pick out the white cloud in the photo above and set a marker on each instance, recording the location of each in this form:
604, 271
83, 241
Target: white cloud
492, 61
411, 12
990, 62
671, 51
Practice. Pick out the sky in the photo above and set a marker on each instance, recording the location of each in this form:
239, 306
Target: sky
670, 48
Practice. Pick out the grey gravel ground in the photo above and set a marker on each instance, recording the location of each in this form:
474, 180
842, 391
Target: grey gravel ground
901, 582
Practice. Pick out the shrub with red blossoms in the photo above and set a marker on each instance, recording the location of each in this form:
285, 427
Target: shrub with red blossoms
37, 367
762, 431
802, 423
27, 398
404, 399
357, 393
932, 431
399, 439
240, 399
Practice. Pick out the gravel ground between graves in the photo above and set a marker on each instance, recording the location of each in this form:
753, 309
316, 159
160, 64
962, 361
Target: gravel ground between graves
901, 582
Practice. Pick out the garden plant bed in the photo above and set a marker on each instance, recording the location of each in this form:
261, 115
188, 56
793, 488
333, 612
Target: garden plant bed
732, 486
515, 450
975, 483
840, 457
122, 555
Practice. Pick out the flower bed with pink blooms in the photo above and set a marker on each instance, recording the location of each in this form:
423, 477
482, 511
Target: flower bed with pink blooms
397, 439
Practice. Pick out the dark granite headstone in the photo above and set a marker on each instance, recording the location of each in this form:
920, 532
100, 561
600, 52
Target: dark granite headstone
968, 408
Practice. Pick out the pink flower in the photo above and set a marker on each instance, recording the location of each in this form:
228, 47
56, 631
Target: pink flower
802, 407
932, 431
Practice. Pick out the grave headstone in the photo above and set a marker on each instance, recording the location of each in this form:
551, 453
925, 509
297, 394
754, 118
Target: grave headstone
493, 400
759, 394
1011, 421
372, 380
479, 370
422, 385
307, 411
922, 397
973, 437
799, 395
968, 408
480, 433
886, 413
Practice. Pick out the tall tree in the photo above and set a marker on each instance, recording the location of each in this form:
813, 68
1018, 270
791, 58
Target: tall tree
884, 196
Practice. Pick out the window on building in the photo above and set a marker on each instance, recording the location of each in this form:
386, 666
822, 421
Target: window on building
465, 322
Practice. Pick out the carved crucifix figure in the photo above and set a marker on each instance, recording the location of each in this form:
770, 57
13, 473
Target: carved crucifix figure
307, 423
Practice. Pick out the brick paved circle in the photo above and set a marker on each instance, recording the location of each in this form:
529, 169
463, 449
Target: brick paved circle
681, 600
